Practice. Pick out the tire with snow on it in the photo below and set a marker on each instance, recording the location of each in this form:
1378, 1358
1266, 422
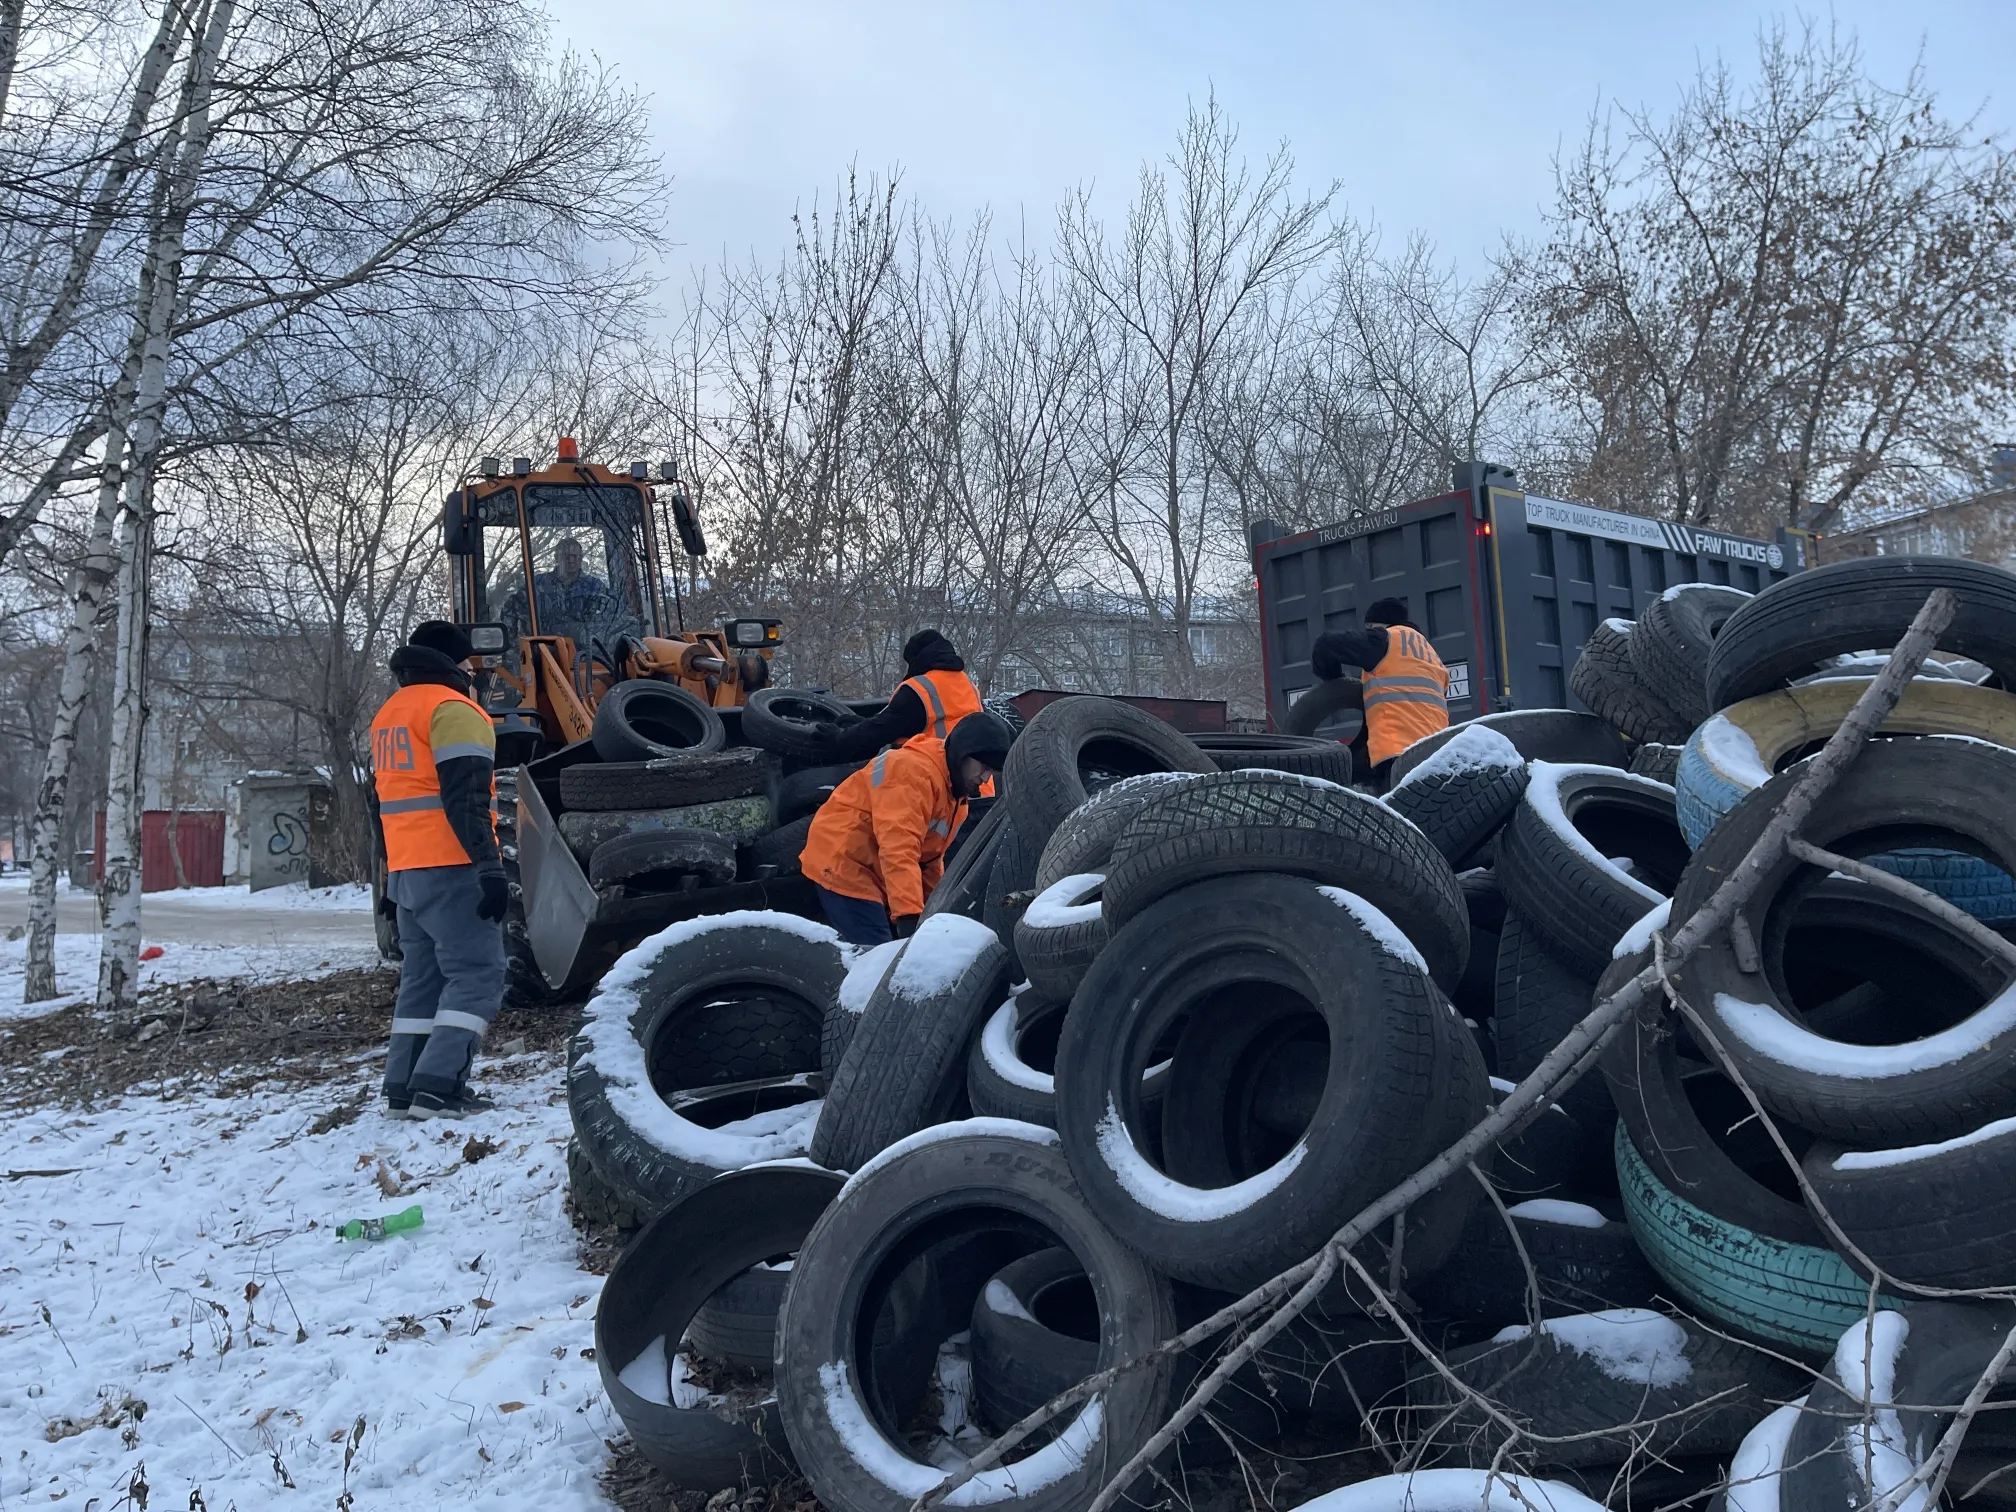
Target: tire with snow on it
1452, 1491
1272, 822
1462, 795
1084, 841
693, 1055
962, 890
1561, 859
715, 1234
1738, 750
738, 1324
664, 860
595, 1201
1673, 640
1009, 882
1081, 738
865, 972
1010, 1071
1925, 1069
1606, 680
676, 781
1777, 1291
739, 819
1310, 755
787, 720
1854, 606
1582, 1262
802, 793
1211, 949
1878, 1405
1616, 1384
1061, 934
643, 720
977, 1176
1558, 735
905, 1067
1940, 1214
1659, 762
1330, 709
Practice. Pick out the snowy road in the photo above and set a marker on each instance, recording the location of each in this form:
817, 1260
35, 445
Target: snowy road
186, 1261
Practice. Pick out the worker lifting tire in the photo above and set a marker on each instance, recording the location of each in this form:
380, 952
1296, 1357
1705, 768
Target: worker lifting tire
787, 721
1328, 709
643, 720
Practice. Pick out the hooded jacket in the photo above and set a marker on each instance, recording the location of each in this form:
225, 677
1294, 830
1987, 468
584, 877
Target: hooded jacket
933, 697
466, 778
882, 835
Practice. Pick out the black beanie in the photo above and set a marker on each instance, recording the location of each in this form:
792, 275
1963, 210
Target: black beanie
984, 735
1387, 611
438, 635
929, 651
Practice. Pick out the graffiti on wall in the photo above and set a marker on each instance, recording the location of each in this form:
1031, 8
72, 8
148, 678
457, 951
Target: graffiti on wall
287, 845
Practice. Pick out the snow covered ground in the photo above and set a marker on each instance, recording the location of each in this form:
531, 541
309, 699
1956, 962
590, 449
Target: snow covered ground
187, 1260
179, 961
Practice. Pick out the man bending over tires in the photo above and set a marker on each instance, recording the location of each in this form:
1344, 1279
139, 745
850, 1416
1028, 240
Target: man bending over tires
877, 846
1406, 685
432, 754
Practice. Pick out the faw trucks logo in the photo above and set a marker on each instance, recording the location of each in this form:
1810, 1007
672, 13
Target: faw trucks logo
1582, 519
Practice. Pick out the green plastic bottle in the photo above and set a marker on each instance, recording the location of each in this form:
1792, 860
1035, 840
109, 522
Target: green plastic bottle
382, 1228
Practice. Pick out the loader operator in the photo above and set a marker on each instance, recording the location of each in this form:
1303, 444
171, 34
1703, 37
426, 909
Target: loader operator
877, 846
1406, 685
432, 751
934, 696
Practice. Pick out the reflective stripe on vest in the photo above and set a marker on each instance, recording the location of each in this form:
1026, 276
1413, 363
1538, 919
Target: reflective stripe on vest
1406, 695
948, 698
415, 825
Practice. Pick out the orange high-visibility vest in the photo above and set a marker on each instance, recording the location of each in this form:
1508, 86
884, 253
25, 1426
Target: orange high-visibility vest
1406, 695
417, 832
948, 698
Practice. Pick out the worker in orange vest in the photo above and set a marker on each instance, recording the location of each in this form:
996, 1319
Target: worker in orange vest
928, 704
1406, 685
432, 755
877, 846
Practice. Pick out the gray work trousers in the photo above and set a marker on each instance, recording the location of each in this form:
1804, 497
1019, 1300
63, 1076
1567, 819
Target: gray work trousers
451, 980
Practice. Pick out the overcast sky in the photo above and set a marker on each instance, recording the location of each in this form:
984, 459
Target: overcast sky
1441, 117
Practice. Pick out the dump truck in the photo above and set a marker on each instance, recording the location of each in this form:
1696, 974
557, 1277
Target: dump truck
1507, 586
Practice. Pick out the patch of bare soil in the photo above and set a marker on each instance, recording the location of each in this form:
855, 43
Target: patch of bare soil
630, 1481
221, 1037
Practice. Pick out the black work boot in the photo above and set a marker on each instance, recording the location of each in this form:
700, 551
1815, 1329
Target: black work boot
461, 1103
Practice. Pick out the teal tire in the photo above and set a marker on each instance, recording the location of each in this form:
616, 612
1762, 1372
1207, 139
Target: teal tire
1797, 1295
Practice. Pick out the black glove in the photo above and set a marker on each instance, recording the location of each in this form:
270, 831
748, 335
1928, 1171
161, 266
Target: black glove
904, 925
387, 909
496, 897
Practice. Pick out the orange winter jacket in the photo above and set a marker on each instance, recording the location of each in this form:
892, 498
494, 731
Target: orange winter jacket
882, 835
1406, 695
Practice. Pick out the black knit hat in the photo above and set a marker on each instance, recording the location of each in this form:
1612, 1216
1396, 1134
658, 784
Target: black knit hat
929, 651
438, 635
1387, 611
984, 735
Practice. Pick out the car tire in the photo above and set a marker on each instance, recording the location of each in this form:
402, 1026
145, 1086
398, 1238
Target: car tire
987, 1174
1045, 776
1060, 935
1084, 841
663, 861
802, 793
1673, 640
596, 1201
1167, 962
645, 720
1010, 881
678, 781
1939, 1215
738, 1324
1555, 858
1011, 1069
1328, 709
1607, 681
1858, 605
1235, 823
728, 1005
1462, 796
866, 971
1659, 762
1582, 1261
962, 890
1536, 1000
905, 1065
787, 720
661, 1281
1565, 736
1310, 755
779, 851
737, 819
1923, 1080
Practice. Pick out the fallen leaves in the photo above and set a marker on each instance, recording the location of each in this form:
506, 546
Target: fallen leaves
478, 1147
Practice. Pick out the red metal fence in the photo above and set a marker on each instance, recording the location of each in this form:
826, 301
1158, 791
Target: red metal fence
199, 835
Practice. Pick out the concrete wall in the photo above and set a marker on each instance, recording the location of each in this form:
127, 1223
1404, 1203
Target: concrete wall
277, 815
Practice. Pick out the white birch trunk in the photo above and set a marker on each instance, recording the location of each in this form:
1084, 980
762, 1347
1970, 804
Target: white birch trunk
119, 892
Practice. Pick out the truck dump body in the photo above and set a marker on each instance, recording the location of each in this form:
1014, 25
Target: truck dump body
1507, 587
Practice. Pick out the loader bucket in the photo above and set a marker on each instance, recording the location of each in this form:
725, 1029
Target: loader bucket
576, 934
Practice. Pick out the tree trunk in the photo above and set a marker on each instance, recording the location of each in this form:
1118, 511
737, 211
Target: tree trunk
119, 892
